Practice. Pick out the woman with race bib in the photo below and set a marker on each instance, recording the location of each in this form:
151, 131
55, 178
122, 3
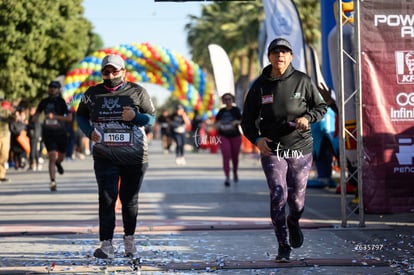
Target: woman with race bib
227, 124
113, 114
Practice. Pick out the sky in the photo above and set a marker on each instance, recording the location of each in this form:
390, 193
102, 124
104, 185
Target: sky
139, 21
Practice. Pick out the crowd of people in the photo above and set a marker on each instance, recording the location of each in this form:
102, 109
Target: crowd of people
31, 134
49, 132
180, 133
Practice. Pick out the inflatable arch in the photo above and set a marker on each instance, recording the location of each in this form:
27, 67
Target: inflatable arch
146, 63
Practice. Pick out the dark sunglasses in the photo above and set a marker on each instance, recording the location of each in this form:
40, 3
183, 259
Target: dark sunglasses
281, 50
107, 72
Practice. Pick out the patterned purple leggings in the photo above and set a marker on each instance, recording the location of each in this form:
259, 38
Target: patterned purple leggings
287, 179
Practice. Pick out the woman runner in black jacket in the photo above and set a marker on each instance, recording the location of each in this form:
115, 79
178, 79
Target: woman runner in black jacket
276, 117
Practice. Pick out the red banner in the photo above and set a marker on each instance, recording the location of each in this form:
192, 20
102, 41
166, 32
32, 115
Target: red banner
387, 74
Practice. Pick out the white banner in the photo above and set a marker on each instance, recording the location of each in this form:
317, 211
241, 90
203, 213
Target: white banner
222, 70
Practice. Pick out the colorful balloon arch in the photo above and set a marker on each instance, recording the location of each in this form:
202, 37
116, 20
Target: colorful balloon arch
146, 63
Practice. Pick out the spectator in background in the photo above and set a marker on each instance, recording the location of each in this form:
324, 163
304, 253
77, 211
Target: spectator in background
178, 128
34, 132
196, 124
81, 148
19, 142
6, 118
163, 124
150, 134
81, 142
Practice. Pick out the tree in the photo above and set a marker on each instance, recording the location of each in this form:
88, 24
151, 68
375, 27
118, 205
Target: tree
309, 13
95, 43
235, 27
42, 39
232, 25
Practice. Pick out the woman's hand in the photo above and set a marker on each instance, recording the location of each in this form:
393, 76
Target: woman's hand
302, 123
261, 143
128, 113
96, 136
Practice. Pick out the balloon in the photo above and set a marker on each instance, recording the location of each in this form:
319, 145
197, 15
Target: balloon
145, 62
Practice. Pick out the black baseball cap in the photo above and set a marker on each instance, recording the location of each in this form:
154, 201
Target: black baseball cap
54, 84
279, 42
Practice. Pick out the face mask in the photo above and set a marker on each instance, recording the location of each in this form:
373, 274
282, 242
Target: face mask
111, 83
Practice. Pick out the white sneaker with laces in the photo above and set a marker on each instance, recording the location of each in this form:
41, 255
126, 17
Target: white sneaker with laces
129, 245
106, 251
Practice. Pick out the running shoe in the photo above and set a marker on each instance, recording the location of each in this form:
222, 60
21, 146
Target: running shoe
295, 233
129, 245
283, 255
106, 251
52, 186
59, 168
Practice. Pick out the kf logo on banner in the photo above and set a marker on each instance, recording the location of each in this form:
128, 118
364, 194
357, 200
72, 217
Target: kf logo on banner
404, 61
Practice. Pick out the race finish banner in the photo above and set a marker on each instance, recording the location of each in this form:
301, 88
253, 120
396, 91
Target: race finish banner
387, 76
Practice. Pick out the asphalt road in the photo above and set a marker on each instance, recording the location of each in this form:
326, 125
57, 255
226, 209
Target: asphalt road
188, 211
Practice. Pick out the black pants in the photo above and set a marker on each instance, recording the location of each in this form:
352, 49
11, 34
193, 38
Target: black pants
107, 176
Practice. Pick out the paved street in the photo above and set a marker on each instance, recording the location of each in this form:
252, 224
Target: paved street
189, 223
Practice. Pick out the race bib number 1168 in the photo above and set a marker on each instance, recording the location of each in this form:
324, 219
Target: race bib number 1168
118, 138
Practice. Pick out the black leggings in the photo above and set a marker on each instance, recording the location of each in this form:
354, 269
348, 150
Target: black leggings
107, 176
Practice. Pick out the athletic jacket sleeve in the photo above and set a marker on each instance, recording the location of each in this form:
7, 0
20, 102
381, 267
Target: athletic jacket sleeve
145, 116
250, 115
317, 106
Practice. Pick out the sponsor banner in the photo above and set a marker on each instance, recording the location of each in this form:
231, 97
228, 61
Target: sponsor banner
387, 74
